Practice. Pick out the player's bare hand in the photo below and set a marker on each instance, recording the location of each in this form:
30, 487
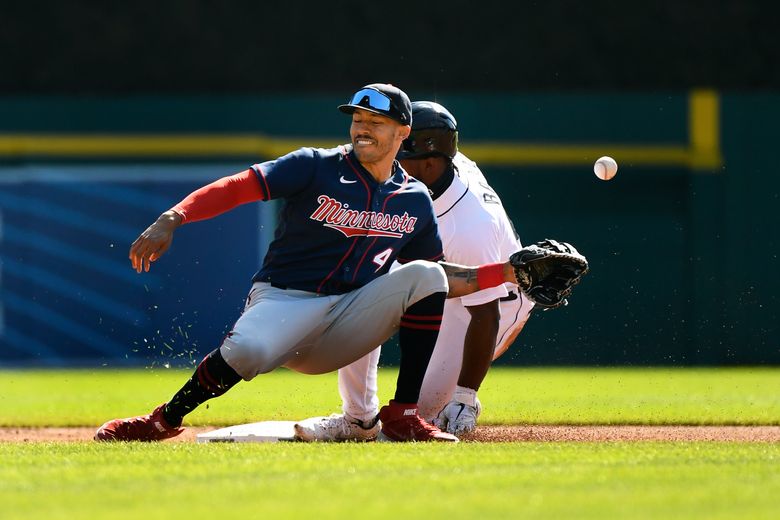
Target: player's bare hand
154, 241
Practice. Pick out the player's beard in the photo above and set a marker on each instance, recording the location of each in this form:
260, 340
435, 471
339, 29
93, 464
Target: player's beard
376, 152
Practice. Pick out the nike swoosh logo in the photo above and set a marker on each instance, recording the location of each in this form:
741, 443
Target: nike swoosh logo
462, 407
342, 180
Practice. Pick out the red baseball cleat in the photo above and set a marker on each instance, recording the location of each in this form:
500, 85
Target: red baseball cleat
146, 428
402, 423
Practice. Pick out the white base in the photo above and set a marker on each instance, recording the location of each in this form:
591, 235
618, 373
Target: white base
266, 431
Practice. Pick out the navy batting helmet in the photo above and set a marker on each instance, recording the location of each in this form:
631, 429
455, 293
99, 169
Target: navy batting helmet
434, 132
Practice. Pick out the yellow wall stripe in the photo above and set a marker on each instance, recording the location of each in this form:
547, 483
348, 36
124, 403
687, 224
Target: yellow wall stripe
704, 128
492, 153
702, 152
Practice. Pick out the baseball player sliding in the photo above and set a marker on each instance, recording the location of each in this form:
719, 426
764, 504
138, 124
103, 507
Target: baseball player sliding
475, 328
325, 296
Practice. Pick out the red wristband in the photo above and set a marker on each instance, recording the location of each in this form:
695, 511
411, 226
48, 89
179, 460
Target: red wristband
490, 275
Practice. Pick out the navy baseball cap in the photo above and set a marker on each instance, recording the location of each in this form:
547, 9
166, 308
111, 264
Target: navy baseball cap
383, 99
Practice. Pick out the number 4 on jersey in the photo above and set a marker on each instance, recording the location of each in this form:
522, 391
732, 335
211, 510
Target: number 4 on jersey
382, 257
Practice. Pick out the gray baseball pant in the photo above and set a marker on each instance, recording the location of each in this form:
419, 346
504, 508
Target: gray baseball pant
315, 334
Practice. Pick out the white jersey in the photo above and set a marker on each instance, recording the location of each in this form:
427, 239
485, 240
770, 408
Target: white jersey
474, 230
474, 226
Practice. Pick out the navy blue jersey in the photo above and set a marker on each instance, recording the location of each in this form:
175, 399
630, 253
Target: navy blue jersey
339, 228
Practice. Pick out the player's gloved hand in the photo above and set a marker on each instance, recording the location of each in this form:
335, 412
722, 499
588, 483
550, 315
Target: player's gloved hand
548, 271
461, 413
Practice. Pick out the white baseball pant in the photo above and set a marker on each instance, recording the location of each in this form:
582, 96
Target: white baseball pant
358, 381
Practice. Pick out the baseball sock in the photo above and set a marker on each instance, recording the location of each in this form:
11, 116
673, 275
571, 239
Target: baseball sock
417, 337
212, 378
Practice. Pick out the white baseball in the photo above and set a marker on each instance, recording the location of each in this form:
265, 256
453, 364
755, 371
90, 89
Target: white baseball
605, 168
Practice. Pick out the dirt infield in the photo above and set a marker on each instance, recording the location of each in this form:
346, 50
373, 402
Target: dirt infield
486, 434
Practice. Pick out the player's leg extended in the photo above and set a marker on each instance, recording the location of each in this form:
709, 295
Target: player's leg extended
441, 377
270, 330
358, 387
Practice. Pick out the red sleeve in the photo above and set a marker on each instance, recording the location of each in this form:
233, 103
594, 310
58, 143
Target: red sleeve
220, 196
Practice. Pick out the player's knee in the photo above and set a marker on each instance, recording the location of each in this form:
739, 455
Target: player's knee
428, 277
248, 356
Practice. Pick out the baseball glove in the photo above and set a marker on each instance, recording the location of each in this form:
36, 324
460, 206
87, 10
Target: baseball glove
548, 271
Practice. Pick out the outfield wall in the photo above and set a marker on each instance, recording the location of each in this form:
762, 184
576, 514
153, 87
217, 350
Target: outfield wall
249, 46
683, 243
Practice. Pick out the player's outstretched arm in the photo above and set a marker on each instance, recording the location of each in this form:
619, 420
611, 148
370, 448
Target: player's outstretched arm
464, 280
204, 203
546, 272
154, 241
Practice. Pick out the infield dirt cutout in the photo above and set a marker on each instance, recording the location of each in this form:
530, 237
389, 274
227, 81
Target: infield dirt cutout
532, 433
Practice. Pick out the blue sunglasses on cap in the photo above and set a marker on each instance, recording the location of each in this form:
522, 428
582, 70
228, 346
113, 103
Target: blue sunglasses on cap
371, 98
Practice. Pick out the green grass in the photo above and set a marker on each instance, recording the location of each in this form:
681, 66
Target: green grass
524, 480
509, 396
471, 480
